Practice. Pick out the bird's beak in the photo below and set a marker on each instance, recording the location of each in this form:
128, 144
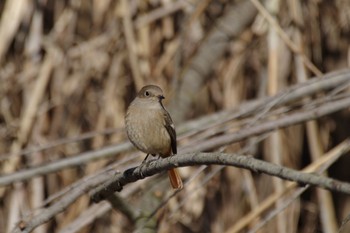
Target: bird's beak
160, 97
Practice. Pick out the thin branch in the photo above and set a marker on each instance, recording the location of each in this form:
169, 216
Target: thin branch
296, 92
97, 210
29, 223
191, 159
284, 204
343, 223
318, 166
270, 125
59, 142
64, 163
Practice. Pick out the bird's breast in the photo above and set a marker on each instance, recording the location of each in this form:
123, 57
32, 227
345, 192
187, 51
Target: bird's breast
146, 130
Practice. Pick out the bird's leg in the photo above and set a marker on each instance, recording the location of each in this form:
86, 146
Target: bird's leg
145, 159
145, 162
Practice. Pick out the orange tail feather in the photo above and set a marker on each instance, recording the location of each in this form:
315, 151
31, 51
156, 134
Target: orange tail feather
175, 179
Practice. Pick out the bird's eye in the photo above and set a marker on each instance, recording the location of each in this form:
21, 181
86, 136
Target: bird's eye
147, 93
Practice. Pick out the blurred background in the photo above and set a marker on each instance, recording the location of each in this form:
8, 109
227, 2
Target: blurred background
69, 69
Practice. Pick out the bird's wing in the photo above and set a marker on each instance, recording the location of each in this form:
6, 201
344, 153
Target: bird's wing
169, 125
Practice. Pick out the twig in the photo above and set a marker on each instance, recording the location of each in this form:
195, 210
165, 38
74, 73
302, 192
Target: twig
324, 162
343, 223
271, 125
93, 212
283, 205
28, 224
293, 93
64, 163
191, 159
96, 210
60, 142
334, 155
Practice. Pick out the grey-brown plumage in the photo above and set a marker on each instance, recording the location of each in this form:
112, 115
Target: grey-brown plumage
150, 127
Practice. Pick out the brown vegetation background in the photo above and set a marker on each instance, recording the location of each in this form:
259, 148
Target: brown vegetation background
68, 70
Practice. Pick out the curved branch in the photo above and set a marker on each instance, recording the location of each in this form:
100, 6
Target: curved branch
191, 159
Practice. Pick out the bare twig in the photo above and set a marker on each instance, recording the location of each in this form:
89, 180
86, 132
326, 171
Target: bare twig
333, 156
321, 164
96, 210
294, 93
190, 159
64, 163
59, 142
271, 125
28, 224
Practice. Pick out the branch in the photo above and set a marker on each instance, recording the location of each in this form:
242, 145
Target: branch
295, 92
64, 163
271, 125
29, 223
191, 159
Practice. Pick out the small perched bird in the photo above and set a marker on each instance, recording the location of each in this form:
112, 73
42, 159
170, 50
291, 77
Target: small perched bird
151, 129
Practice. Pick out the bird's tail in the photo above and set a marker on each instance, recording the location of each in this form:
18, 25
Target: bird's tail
175, 179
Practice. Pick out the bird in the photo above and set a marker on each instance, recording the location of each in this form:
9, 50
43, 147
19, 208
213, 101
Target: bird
150, 128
